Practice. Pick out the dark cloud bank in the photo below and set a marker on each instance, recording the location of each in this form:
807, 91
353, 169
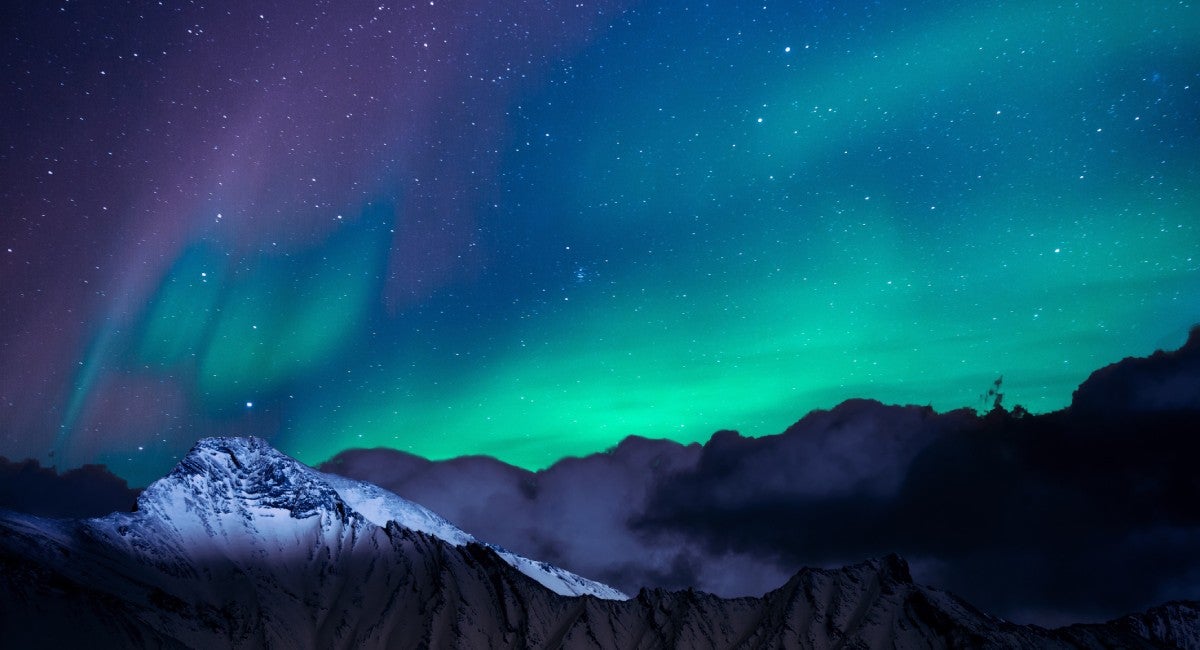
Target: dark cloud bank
89, 491
1081, 514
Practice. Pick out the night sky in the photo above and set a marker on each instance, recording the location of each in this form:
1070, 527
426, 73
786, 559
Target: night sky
530, 229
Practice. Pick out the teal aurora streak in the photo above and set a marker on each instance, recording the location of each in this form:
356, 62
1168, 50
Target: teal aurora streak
723, 218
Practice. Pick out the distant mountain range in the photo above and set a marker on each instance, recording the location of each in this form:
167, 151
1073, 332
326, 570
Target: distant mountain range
1082, 514
241, 546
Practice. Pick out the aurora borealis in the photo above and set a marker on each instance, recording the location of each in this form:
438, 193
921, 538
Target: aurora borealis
530, 229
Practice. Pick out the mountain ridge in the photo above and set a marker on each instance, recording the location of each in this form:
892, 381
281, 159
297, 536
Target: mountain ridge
1012, 510
241, 546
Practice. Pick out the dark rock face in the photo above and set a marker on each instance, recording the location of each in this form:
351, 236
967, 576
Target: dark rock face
258, 553
414, 591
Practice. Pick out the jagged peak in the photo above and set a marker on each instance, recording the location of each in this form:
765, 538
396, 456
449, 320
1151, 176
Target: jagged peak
240, 452
892, 567
220, 470
889, 568
250, 479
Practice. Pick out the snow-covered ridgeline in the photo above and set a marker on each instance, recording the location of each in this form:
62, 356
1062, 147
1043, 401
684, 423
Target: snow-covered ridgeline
242, 494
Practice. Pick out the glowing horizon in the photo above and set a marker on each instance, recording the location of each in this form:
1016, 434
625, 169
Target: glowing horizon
532, 235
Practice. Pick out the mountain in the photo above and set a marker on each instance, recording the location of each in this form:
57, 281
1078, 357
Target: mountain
1165, 381
241, 546
1081, 514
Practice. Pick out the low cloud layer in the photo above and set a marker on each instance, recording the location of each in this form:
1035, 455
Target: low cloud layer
1085, 513
1081, 514
88, 491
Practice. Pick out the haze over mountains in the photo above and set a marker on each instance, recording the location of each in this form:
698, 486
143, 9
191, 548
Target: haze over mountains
243, 547
1014, 513
1079, 515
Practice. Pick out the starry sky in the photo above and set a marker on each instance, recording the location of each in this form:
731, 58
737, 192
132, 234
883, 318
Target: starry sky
530, 229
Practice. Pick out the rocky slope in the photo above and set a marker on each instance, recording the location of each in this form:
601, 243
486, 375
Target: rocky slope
243, 547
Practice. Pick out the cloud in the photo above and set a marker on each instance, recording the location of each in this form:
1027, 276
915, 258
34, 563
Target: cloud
1164, 381
1084, 513
88, 491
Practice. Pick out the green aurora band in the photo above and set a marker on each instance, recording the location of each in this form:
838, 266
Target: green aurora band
719, 222
1038, 273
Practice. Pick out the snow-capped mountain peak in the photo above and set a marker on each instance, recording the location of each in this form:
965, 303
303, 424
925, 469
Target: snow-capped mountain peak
241, 492
222, 474
243, 547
